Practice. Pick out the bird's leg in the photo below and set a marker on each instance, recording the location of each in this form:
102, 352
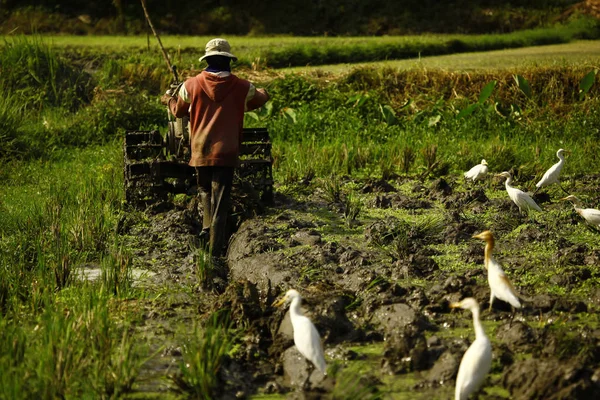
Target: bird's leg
307, 379
512, 316
563, 189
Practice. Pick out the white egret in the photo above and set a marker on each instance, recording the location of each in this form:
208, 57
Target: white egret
500, 286
551, 176
591, 215
477, 360
519, 197
306, 336
477, 172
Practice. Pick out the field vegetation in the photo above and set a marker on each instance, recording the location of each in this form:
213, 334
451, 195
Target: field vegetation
65, 108
278, 52
579, 54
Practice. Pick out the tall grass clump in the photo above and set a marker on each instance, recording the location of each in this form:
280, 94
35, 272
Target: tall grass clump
34, 72
203, 356
11, 121
204, 266
72, 349
50, 222
62, 337
116, 273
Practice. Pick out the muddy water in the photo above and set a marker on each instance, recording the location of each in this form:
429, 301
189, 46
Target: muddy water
378, 289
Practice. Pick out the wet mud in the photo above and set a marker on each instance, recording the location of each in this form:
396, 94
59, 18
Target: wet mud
381, 280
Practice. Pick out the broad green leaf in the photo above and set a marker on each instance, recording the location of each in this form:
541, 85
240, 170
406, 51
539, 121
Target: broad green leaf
253, 115
467, 111
389, 116
523, 85
361, 100
290, 114
433, 121
357, 99
353, 99
486, 92
587, 82
266, 110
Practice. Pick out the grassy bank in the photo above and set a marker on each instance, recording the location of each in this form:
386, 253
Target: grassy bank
574, 54
278, 52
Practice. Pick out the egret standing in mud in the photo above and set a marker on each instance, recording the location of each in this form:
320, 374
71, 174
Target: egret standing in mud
477, 172
306, 336
520, 198
477, 360
551, 176
500, 286
591, 215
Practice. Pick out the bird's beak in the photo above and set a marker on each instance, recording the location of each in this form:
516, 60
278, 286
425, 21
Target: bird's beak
454, 305
564, 198
478, 236
279, 302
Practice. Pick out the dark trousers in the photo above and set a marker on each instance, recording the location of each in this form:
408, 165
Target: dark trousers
214, 186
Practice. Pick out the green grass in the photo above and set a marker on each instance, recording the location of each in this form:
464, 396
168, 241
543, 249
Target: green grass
203, 355
49, 354
51, 223
573, 54
278, 52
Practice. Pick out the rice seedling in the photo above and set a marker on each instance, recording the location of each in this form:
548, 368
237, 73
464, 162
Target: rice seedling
408, 159
203, 356
205, 267
352, 208
332, 189
116, 273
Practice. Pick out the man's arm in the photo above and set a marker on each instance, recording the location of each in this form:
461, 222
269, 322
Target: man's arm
258, 100
177, 104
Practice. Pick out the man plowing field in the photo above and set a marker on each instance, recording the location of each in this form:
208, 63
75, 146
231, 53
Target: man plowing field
215, 101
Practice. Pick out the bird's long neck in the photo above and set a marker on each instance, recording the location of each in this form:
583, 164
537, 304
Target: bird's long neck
295, 307
576, 204
508, 182
479, 332
487, 252
561, 157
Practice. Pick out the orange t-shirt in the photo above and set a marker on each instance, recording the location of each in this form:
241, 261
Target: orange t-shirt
216, 108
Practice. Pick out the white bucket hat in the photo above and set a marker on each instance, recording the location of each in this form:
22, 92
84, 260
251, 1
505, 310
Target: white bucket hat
218, 47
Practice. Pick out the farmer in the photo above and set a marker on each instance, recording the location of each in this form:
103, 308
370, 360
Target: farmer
215, 101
